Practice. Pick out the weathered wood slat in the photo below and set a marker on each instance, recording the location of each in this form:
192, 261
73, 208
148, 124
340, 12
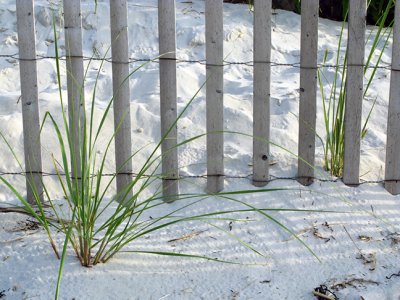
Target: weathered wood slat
75, 79
168, 95
214, 95
120, 73
354, 91
29, 99
392, 169
308, 90
262, 81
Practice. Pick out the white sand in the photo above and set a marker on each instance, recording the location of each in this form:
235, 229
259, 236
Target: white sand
28, 267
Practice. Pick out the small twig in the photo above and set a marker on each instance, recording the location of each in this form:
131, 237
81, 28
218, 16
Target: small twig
318, 235
352, 282
18, 238
368, 259
393, 275
359, 250
24, 212
14, 210
187, 236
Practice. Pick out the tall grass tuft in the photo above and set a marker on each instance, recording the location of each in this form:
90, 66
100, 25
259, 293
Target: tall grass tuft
333, 99
97, 226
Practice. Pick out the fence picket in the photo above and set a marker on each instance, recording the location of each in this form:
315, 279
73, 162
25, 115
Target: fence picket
168, 94
262, 82
308, 90
75, 78
120, 73
29, 98
392, 169
214, 95
354, 91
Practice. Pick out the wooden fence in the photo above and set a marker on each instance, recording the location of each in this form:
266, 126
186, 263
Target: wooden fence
214, 92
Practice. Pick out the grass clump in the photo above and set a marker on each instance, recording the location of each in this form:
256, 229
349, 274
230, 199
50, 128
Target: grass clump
333, 99
97, 226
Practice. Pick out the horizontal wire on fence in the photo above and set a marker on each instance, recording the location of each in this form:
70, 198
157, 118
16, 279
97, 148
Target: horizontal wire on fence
297, 65
203, 176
